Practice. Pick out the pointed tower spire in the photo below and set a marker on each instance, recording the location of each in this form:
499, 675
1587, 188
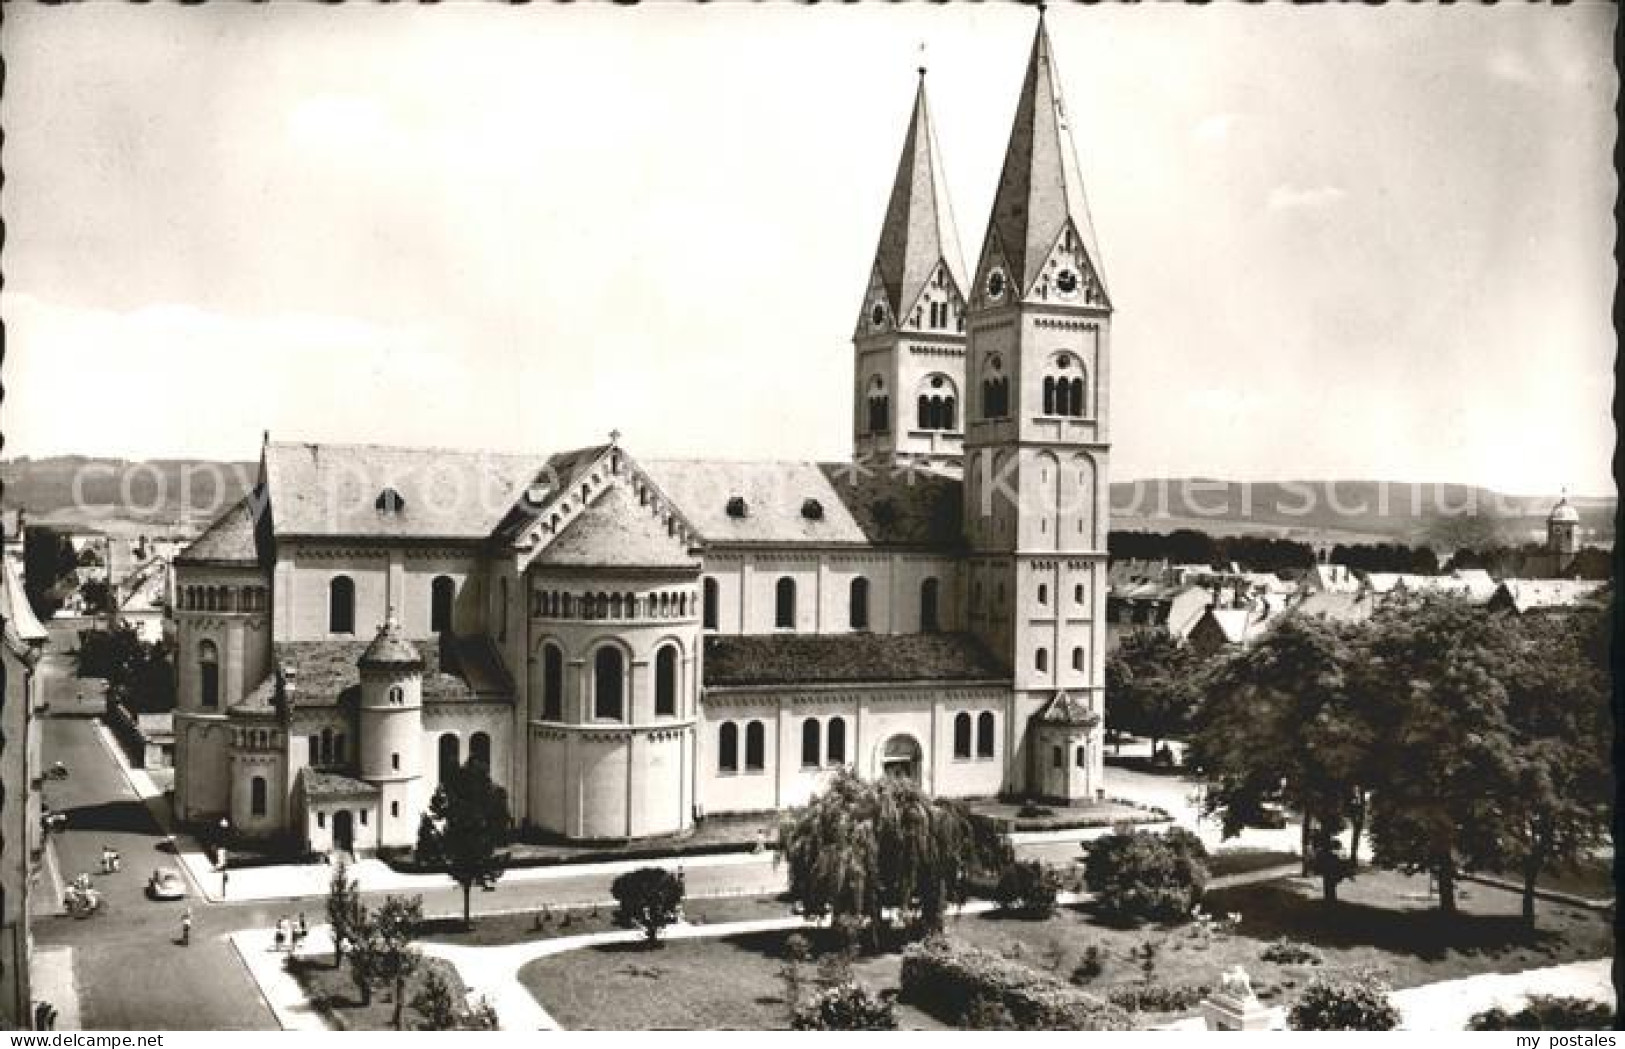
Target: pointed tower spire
1040, 194
919, 233
909, 345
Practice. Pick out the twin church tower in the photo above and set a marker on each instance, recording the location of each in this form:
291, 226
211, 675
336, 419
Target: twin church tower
1000, 375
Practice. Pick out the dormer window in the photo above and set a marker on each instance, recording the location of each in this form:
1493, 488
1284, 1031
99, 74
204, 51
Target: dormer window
389, 501
737, 507
812, 510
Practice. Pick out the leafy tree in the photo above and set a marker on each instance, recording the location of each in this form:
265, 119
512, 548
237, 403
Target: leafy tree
1141, 875
436, 1002
1354, 1002
1028, 888
1547, 1013
650, 898
1290, 720
862, 847
1439, 684
464, 829
846, 1007
345, 913
48, 559
1556, 809
364, 948
1153, 686
97, 595
391, 957
140, 675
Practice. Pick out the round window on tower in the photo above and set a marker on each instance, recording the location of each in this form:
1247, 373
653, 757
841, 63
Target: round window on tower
1067, 282
1063, 362
995, 284
877, 316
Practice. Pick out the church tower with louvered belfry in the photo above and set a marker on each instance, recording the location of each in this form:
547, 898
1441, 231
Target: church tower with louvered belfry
1036, 443
909, 345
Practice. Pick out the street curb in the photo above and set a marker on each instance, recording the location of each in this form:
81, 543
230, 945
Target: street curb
1548, 895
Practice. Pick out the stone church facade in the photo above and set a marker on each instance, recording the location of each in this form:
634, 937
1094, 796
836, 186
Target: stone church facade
631, 645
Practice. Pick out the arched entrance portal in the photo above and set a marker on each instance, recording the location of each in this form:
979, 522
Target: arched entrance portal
901, 758
343, 831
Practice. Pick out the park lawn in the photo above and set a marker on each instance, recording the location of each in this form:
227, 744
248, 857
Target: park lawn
1383, 921
335, 997
501, 929
1593, 879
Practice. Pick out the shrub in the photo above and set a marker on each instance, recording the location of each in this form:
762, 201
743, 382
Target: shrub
845, 1007
1090, 966
1028, 888
1354, 1002
988, 1014
1544, 1013
1140, 875
650, 898
1289, 952
1029, 811
1158, 997
947, 980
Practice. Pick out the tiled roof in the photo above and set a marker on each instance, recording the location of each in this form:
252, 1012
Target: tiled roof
1040, 186
390, 649
326, 672
1337, 605
230, 540
1534, 595
615, 531
918, 233
848, 504
334, 490
788, 659
330, 784
1065, 709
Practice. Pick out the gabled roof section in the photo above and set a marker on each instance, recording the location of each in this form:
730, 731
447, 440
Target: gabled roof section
1040, 191
1067, 709
919, 232
857, 504
625, 519
231, 540
335, 489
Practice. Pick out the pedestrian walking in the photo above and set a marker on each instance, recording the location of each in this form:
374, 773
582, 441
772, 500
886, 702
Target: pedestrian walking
302, 929
107, 860
186, 928
281, 932
223, 877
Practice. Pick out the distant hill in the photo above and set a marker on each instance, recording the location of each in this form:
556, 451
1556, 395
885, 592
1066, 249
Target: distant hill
184, 494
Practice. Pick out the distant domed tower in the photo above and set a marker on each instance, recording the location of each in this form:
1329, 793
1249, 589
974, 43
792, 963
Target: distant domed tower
1563, 529
392, 729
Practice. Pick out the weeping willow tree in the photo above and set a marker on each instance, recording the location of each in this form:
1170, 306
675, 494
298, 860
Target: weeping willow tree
866, 853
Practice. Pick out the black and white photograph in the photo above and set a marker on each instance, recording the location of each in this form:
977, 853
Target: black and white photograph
798, 517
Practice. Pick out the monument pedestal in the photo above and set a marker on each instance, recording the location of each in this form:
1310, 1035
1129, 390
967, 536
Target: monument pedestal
1225, 1012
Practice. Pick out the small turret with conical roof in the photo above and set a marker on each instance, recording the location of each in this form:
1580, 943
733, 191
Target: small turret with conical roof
392, 730
1563, 528
390, 647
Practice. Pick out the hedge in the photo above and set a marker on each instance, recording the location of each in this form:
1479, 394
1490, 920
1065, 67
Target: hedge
945, 979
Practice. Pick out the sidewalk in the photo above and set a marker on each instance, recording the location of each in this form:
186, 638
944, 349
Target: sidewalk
1447, 1006
52, 974
257, 949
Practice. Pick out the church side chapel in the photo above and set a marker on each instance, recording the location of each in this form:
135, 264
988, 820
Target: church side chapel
628, 644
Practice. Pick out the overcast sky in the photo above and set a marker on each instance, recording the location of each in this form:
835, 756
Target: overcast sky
1342, 242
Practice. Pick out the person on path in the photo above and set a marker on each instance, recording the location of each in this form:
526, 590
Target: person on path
301, 930
186, 927
281, 932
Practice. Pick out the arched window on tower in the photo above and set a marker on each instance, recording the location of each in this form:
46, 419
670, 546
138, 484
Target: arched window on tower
937, 404
711, 600
879, 405
1077, 659
986, 730
995, 389
666, 681
1065, 387
208, 666
784, 604
609, 684
930, 621
858, 604
441, 593
479, 749
258, 796
341, 605
552, 683
962, 735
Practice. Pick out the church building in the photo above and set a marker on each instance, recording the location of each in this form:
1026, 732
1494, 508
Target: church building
631, 644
